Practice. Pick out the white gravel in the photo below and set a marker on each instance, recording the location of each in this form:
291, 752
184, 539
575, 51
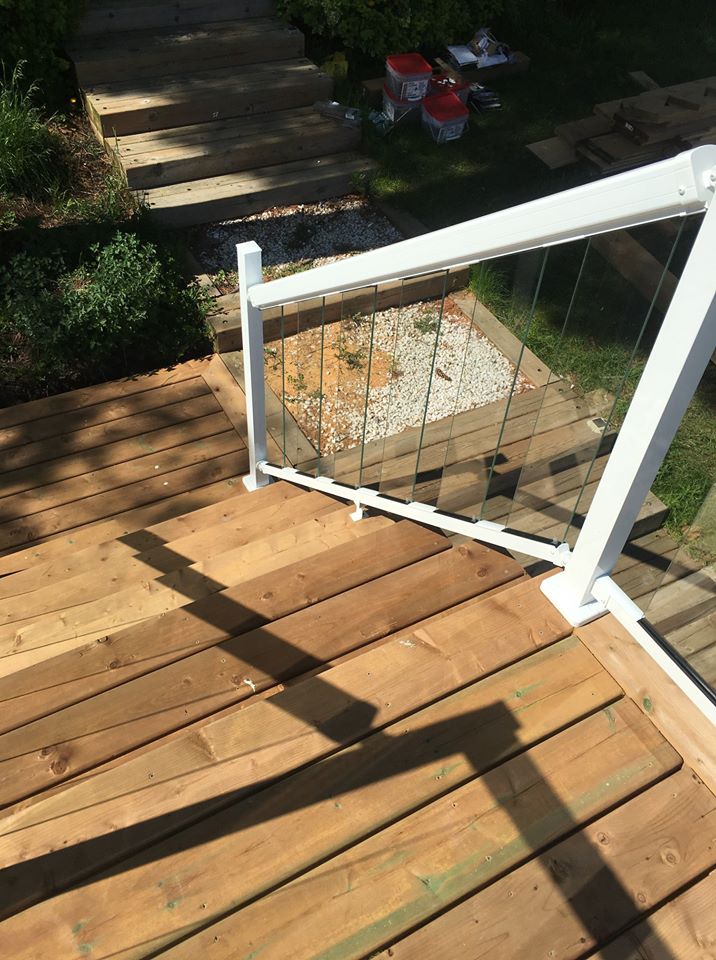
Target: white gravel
469, 372
298, 236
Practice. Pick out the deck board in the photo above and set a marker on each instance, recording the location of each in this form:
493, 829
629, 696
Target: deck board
236, 725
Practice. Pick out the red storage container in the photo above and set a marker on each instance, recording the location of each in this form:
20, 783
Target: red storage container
397, 110
445, 117
408, 75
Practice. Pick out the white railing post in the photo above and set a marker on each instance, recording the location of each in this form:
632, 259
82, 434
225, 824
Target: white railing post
252, 336
673, 371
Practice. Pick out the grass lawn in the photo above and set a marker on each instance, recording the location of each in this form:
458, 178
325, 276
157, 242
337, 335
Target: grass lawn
579, 57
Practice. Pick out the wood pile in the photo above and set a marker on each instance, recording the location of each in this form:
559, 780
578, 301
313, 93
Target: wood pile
622, 134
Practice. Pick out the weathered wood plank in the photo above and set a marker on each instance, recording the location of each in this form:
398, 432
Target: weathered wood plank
88, 733
155, 103
102, 468
403, 875
75, 400
169, 509
104, 17
133, 651
104, 505
84, 416
110, 57
86, 445
587, 888
344, 798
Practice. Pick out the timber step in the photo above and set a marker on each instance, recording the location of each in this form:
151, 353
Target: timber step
112, 16
239, 194
159, 51
132, 106
200, 151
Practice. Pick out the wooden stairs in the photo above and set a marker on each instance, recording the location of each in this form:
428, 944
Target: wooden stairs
208, 107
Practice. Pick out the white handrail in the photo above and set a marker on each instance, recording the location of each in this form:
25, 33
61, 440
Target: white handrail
678, 186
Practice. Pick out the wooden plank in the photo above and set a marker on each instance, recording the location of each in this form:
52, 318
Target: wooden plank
103, 468
639, 267
72, 562
111, 57
680, 930
579, 130
343, 799
681, 722
678, 603
401, 876
54, 424
104, 17
228, 146
116, 721
553, 152
90, 441
155, 103
170, 509
113, 502
76, 400
415, 667
34, 638
239, 194
114, 570
112, 479
588, 887
131, 652
643, 80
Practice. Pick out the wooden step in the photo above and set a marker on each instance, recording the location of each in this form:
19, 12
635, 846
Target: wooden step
112, 57
132, 106
121, 15
239, 194
212, 149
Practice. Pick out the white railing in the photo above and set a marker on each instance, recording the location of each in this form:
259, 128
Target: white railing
680, 186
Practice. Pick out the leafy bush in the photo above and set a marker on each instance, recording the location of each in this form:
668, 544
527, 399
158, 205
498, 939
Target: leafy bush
124, 310
28, 149
33, 30
380, 27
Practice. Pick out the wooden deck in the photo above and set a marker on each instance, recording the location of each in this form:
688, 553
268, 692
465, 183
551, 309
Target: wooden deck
239, 725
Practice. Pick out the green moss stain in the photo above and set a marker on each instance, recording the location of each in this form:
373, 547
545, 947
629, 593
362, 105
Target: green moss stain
648, 705
172, 904
447, 769
525, 691
83, 948
611, 719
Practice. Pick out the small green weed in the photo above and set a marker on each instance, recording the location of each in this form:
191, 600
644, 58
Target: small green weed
427, 323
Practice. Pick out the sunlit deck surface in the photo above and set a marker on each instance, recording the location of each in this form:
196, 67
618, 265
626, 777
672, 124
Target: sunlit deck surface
242, 725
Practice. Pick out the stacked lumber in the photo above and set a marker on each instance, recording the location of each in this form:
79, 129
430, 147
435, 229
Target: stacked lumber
626, 133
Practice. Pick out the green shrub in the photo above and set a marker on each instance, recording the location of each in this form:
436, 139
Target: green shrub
380, 27
34, 30
28, 149
125, 309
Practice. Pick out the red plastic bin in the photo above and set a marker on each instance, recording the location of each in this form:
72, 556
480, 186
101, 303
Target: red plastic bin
397, 110
408, 75
445, 117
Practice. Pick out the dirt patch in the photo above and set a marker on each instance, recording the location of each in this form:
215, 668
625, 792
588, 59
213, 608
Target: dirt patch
400, 361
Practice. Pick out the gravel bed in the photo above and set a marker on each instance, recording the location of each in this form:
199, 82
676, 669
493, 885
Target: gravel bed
296, 237
468, 372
